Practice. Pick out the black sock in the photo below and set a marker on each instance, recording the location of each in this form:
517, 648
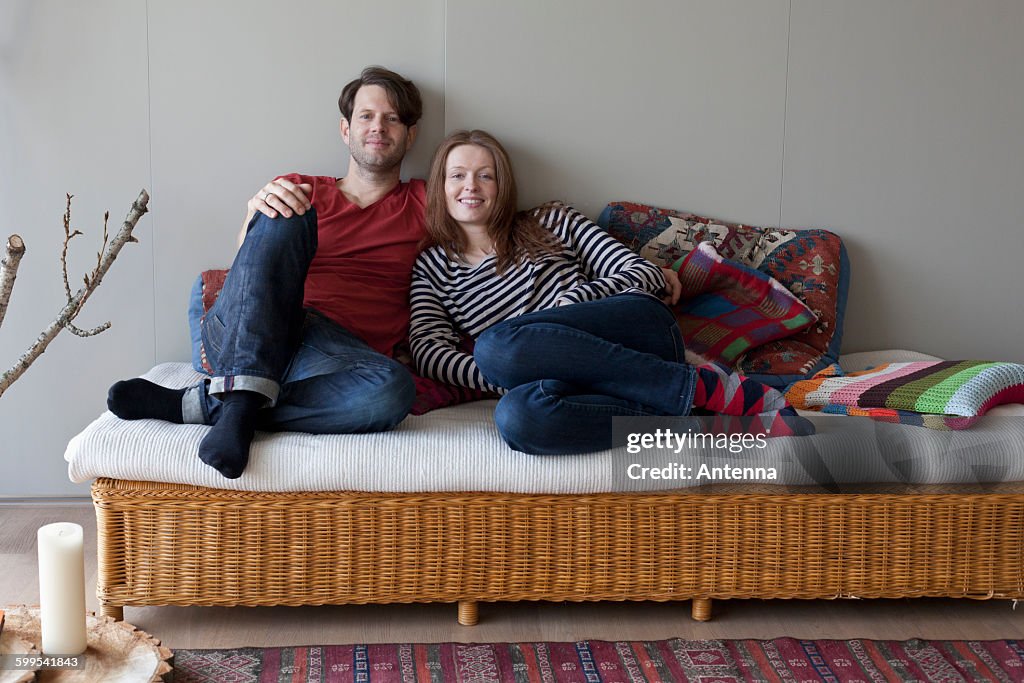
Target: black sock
226, 447
140, 399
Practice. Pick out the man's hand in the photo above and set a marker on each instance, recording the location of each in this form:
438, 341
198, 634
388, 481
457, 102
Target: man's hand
278, 196
281, 197
673, 287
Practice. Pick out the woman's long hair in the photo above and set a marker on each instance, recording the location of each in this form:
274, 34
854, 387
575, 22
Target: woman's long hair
517, 235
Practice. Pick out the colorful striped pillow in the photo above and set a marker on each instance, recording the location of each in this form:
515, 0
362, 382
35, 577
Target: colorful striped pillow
937, 394
727, 308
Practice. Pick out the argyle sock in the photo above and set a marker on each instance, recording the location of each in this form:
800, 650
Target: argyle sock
722, 391
140, 399
760, 408
226, 447
782, 422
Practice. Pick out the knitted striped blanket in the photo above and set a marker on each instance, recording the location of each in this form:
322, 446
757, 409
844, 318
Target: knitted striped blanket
935, 394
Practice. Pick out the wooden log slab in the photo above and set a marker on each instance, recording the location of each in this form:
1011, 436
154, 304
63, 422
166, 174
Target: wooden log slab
117, 651
13, 644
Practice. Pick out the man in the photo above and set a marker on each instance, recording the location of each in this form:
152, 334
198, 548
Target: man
301, 335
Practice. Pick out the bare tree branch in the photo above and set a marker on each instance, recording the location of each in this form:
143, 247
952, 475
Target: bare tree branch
74, 304
68, 236
9, 270
103, 247
78, 332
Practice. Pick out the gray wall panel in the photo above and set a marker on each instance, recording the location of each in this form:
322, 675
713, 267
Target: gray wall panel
73, 118
903, 134
676, 103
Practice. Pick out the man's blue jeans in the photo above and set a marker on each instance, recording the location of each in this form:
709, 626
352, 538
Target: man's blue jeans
316, 376
571, 369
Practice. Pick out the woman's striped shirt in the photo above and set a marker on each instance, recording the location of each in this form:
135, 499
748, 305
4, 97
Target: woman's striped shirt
450, 299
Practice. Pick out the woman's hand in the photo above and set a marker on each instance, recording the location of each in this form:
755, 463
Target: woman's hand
673, 287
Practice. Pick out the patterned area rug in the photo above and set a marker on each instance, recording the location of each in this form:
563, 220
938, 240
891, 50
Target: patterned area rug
706, 661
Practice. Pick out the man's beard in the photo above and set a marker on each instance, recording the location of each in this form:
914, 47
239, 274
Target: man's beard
380, 162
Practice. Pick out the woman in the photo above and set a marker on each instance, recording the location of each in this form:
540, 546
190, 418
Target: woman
567, 322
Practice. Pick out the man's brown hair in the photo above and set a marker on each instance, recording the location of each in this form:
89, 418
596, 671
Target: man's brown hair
402, 93
516, 235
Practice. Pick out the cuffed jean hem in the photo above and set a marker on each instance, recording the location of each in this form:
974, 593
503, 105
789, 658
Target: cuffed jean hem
192, 412
260, 385
689, 390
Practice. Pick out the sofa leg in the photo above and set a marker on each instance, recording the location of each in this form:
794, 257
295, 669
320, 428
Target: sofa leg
468, 613
701, 609
114, 611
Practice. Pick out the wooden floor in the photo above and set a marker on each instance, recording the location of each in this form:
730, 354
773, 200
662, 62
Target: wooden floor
215, 627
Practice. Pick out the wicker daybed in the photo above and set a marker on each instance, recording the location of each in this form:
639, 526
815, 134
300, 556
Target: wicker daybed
204, 540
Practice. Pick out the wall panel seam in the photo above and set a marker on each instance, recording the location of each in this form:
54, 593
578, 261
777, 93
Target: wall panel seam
152, 190
785, 115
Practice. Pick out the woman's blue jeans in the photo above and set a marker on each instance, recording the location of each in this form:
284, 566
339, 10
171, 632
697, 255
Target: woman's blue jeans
571, 369
317, 376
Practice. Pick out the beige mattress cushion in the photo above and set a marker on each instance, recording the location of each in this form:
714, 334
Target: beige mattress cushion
459, 449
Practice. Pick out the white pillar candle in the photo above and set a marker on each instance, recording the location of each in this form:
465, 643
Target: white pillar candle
62, 589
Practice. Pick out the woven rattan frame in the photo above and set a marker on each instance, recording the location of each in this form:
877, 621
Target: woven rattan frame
166, 544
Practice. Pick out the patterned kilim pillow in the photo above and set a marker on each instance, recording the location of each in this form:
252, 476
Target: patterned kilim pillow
937, 394
727, 308
812, 264
430, 394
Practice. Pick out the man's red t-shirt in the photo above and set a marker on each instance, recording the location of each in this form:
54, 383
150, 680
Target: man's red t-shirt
362, 270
